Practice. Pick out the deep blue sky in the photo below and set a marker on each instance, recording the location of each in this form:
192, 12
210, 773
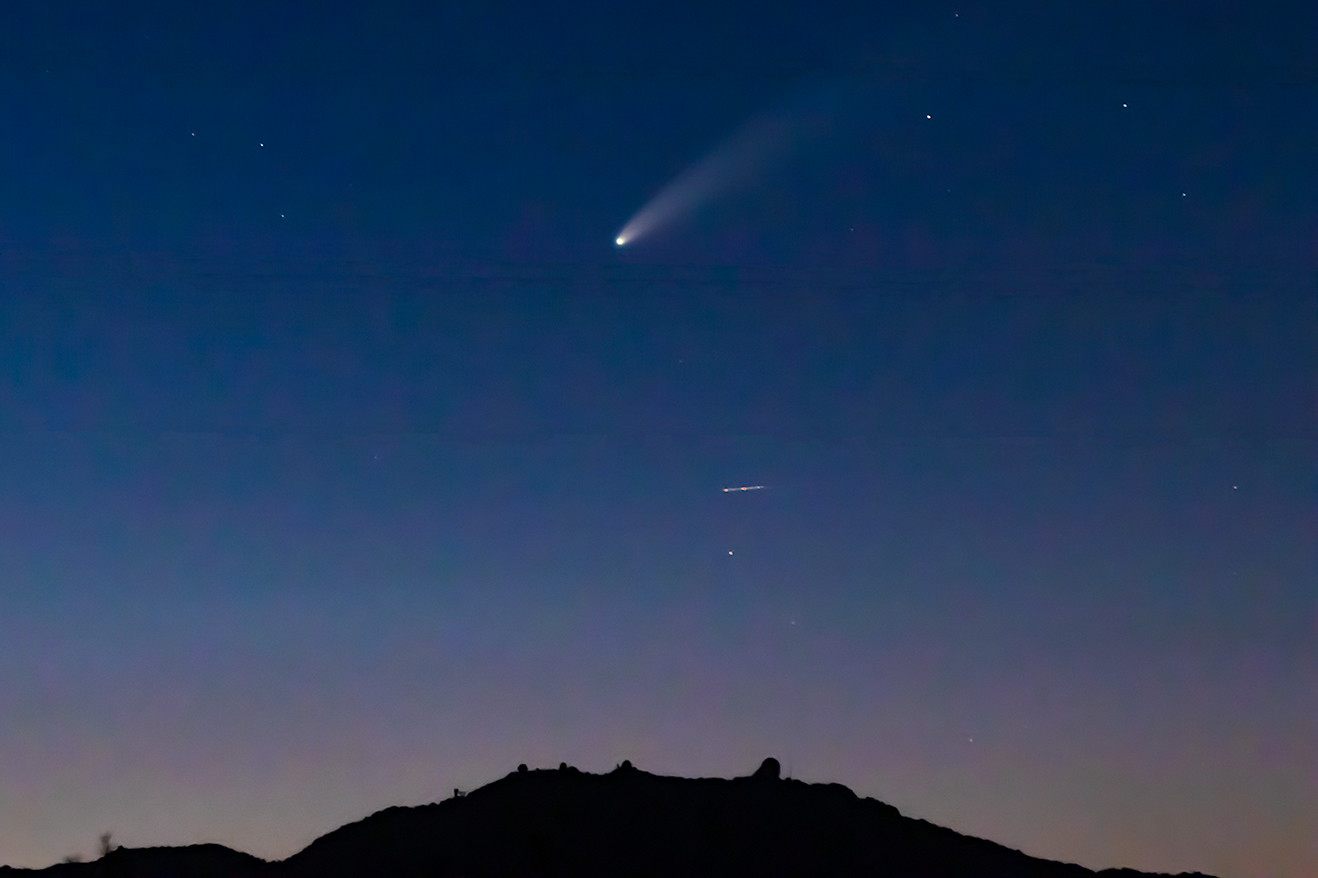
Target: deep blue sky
344, 460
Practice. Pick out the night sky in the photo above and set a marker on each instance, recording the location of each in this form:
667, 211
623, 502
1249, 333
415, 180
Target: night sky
344, 459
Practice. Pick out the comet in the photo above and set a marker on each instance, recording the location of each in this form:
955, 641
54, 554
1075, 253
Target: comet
737, 163
745, 488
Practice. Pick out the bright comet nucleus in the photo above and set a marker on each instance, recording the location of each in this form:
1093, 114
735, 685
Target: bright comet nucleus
620, 240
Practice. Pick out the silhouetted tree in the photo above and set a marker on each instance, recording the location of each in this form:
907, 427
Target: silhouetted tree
106, 845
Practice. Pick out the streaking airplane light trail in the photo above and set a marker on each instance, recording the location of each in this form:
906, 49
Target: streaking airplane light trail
745, 488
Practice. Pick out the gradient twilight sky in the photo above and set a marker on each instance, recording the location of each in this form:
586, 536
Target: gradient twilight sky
344, 460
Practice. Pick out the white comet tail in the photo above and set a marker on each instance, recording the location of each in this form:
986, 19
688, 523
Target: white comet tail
738, 162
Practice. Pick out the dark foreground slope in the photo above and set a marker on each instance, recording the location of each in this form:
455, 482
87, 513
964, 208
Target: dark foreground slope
626, 823
194, 861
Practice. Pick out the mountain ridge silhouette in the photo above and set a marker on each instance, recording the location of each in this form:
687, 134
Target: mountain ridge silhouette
627, 822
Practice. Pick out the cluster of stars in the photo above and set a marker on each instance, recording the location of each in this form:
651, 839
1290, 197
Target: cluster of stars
1125, 105
261, 145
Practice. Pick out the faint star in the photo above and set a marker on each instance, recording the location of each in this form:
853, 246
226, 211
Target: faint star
729, 551
928, 116
1123, 106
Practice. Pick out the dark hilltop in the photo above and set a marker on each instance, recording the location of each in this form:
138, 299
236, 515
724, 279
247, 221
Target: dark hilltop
566, 822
